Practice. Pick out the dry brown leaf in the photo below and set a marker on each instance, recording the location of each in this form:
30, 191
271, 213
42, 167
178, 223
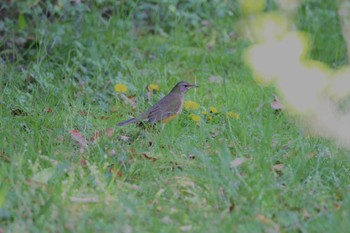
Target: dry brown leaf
78, 138
96, 136
110, 132
278, 167
149, 158
83, 162
115, 172
237, 162
48, 110
263, 219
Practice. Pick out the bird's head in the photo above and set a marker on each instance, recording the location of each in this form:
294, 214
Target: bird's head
183, 87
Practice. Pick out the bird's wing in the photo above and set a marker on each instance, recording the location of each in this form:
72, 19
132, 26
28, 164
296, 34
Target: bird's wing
165, 108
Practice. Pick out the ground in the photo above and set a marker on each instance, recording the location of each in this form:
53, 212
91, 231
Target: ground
228, 163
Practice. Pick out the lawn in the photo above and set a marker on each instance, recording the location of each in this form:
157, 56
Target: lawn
230, 164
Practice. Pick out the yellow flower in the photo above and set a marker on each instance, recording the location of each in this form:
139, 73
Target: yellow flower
120, 88
191, 105
213, 110
204, 113
252, 6
233, 115
195, 118
210, 118
154, 87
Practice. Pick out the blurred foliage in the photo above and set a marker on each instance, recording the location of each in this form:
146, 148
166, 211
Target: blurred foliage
25, 24
22, 21
320, 19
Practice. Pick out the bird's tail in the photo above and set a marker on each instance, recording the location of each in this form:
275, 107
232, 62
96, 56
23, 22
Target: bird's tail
132, 120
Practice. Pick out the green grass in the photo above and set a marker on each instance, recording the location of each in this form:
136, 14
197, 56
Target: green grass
72, 71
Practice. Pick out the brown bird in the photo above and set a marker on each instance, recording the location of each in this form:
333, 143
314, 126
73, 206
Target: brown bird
165, 109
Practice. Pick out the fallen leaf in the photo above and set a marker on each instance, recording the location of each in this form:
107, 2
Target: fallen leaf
124, 138
96, 136
278, 167
84, 199
263, 219
114, 171
102, 117
266, 221
149, 93
276, 104
83, 113
215, 79
78, 138
149, 158
48, 110
18, 112
4, 156
205, 23
133, 151
166, 220
119, 173
186, 228
112, 152
306, 214
130, 100
214, 134
110, 132
237, 162
83, 162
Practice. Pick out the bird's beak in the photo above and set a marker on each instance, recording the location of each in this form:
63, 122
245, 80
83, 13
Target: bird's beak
193, 86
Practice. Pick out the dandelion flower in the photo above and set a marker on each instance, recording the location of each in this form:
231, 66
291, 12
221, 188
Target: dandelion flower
191, 105
154, 87
233, 115
213, 110
120, 88
204, 113
195, 118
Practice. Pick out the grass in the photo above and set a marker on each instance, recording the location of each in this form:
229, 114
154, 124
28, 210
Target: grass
289, 181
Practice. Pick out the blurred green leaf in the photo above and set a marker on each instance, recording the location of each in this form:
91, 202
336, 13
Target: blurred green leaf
22, 23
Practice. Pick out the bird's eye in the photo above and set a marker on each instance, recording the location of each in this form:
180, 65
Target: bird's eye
186, 85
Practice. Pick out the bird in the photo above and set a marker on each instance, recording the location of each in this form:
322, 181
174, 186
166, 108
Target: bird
165, 109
